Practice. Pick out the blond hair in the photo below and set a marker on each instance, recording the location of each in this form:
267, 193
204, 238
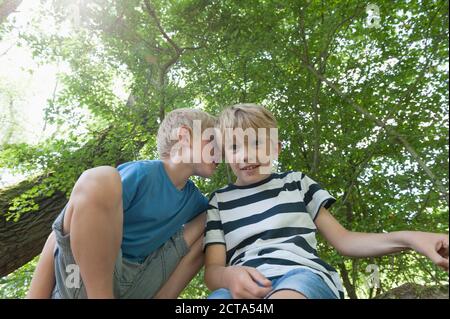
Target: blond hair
246, 115
176, 119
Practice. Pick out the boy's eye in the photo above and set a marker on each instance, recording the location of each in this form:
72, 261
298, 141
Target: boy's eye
233, 148
257, 143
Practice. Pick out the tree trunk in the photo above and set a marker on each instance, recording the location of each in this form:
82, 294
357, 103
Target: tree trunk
8, 7
21, 241
415, 291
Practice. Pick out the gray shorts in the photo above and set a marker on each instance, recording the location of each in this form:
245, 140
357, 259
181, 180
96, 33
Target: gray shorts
131, 279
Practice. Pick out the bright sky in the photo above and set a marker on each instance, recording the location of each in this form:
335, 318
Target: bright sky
25, 84
29, 85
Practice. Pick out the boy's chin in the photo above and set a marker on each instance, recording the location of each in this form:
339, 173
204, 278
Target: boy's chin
206, 171
248, 179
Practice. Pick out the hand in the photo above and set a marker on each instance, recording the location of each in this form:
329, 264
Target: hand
433, 246
246, 282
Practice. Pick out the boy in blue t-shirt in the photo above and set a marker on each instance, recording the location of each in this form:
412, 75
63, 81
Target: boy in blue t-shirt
135, 231
260, 236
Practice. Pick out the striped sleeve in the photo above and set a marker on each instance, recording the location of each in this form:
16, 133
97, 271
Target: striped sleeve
213, 230
314, 196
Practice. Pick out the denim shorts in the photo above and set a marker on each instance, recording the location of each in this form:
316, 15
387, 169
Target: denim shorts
131, 279
301, 280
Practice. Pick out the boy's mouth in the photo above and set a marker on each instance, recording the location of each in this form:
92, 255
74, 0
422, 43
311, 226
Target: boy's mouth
249, 167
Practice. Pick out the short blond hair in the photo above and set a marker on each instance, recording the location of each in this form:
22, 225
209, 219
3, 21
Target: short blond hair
176, 119
246, 115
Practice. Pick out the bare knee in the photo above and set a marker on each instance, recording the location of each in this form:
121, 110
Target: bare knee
98, 189
100, 186
99, 183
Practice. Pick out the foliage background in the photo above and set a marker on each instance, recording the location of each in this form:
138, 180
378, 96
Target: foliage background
362, 110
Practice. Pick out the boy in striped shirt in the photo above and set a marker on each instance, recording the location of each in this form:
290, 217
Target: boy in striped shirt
260, 233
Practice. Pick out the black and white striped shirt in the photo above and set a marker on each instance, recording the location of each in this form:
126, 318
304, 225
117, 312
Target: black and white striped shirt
270, 226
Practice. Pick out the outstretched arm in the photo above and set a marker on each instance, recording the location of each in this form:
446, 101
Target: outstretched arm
355, 244
43, 280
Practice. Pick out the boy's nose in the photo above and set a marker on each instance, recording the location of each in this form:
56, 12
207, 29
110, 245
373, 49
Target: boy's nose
242, 155
250, 155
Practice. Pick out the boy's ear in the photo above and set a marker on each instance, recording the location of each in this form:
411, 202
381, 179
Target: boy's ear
185, 135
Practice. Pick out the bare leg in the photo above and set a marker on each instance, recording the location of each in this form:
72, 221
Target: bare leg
94, 219
190, 264
43, 281
287, 294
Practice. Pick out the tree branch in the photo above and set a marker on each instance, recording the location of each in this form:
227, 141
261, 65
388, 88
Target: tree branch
392, 132
349, 287
322, 62
151, 11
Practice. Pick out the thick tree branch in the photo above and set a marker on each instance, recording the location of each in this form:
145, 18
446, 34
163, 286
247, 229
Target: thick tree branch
164, 69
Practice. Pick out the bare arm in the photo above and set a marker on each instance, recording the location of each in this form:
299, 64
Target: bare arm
187, 268
215, 258
355, 244
243, 282
190, 264
43, 280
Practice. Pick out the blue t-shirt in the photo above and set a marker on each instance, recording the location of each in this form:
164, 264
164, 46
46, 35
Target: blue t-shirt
154, 209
